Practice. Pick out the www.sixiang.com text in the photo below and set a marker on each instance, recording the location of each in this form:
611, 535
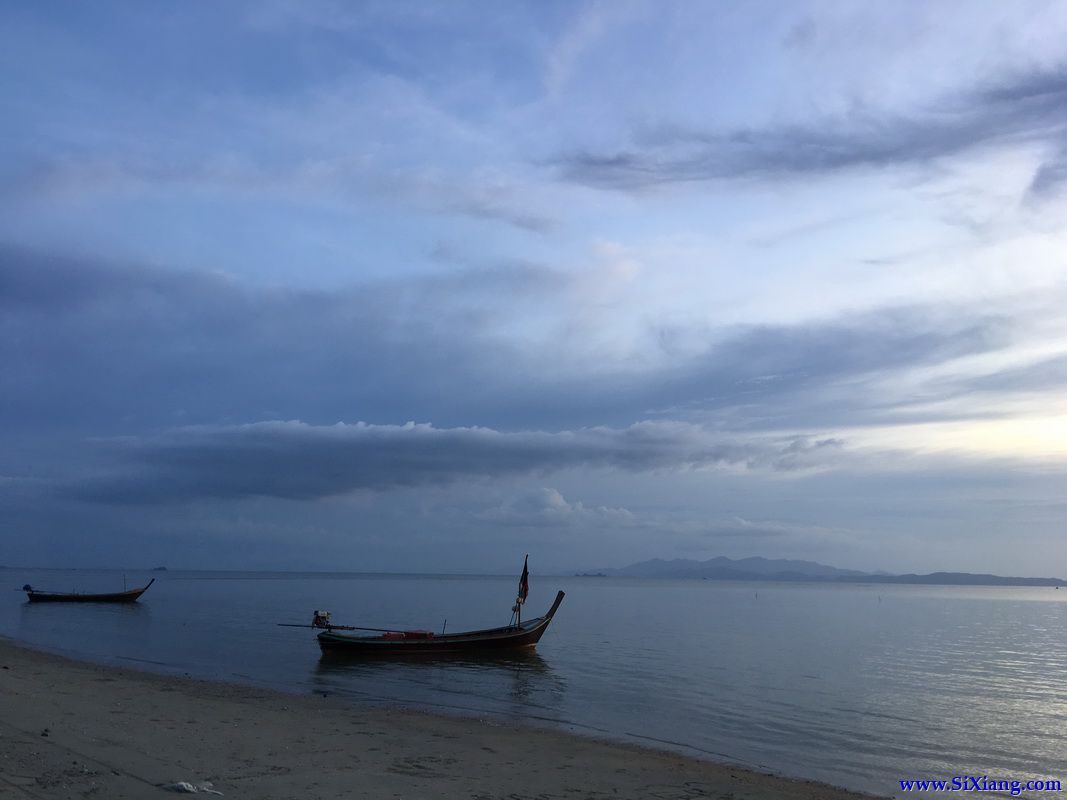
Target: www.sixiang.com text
980, 783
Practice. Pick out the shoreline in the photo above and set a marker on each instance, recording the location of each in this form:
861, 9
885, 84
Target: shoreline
73, 728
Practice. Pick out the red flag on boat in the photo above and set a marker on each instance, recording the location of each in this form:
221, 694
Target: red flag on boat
524, 582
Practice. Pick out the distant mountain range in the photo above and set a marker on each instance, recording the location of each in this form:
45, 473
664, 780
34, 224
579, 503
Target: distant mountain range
778, 569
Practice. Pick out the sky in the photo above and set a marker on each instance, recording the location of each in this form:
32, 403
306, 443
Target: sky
416, 286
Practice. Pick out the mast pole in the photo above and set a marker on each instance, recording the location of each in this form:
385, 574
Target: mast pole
524, 588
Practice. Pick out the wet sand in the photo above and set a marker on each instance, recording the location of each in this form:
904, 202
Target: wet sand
70, 729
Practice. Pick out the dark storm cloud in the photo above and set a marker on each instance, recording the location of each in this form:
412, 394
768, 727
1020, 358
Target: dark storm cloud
298, 461
107, 350
54, 284
1031, 107
88, 344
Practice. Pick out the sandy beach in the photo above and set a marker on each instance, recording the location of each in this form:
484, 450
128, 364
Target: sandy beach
70, 729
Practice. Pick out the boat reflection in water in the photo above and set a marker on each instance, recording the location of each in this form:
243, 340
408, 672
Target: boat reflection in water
106, 631
332, 662
508, 682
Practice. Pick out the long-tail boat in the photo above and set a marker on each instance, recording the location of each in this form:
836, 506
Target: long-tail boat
130, 596
517, 634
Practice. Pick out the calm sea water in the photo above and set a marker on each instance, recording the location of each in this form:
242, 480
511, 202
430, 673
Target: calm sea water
855, 685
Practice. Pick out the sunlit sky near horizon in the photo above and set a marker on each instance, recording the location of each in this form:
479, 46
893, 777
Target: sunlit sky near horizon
426, 286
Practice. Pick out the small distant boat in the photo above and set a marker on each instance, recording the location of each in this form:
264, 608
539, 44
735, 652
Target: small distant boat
130, 596
517, 635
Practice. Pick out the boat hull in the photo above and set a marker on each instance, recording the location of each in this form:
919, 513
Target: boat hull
514, 637
131, 596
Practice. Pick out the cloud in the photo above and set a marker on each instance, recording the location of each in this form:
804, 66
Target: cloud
481, 194
1044, 375
824, 373
1049, 179
547, 507
1030, 108
590, 25
743, 528
295, 460
338, 181
117, 349
90, 343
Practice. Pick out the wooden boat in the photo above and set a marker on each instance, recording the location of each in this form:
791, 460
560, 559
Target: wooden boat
514, 636
518, 635
130, 596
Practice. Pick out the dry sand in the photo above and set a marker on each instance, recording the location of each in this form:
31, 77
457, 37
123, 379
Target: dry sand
70, 729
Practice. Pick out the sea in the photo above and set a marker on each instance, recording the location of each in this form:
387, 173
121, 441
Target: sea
857, 685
